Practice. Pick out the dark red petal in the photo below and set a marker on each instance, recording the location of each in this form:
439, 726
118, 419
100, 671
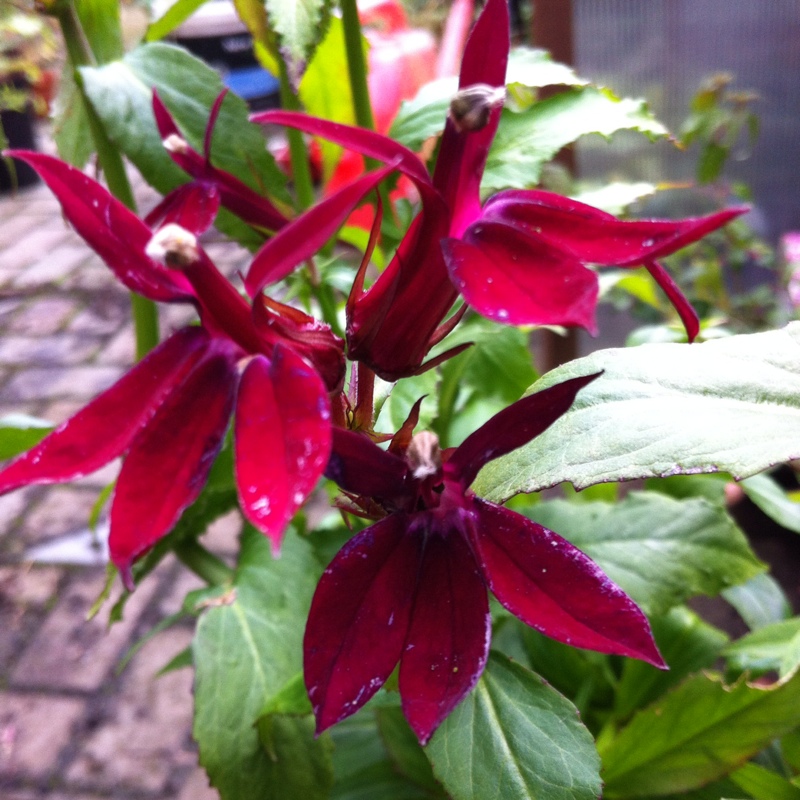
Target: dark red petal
359, 466
513, 427
517, 279
359, 618
168, 462
114, 232
193, 206
282, 437
448, 640
462, 155
368, 143
104, 429
553, 587
671, 289
391, 326
304, 236
595, 236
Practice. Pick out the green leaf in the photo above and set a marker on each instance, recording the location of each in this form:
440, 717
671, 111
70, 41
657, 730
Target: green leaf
514, 737
176, 14
526, 140
773, 647
100, 21
695, 734
535, 68
686, 642
661, 551
401, 396
772, 500
666, 409
404, 750
616, 197
362, 767
299, 764
759, 602
247, 647
291, 699
300, 26
762, 784
121, 93
19, 432
71, 130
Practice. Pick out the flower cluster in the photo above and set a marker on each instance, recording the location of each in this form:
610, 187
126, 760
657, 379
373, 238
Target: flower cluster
411, 588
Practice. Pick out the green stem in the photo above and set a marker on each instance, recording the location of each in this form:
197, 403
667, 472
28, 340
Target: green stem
356, 65
204, 564
301, 171
145, 315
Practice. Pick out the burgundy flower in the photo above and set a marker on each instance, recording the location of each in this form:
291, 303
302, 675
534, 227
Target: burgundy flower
168, 416
227, 189
412, 588
519, 259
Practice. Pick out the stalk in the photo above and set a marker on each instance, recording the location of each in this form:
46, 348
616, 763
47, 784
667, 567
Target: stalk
203, 563
143, 310
301, 171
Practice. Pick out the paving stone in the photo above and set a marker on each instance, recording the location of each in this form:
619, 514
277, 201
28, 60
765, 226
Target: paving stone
32, 247
70, 652
102, 319
33, 731
11, 508
15, 225
57, 349
222, 536
90, 276
197, 787
60, 510
43, 317
40, 383
120, 351
144, 742
57, 265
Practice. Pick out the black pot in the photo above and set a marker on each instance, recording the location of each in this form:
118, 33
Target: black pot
18, 127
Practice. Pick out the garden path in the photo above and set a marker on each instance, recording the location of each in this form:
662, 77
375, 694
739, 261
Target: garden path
72, 725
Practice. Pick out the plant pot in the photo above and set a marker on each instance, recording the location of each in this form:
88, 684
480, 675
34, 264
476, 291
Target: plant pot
18, 127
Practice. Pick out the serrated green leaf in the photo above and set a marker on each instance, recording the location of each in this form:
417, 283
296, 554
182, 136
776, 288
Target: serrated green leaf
697, 733
514, 738
291, 699
615, 197
535, 68
101, 24
759, 602
19, 432
661, 551
526, 140
772, 500
300, 26
666, 409
687, 643
246, 648
772, 647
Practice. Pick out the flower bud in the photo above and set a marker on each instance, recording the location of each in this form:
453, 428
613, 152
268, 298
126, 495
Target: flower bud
471, 107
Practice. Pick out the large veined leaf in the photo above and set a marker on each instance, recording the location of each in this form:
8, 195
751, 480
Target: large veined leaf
528, 139
534, 68
300, 26
247, 648
121, 93
695, 734
768, 495
729, 405
773, 647
661, 551
514, 737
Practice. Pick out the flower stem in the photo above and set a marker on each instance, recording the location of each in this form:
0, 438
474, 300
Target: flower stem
298, 154
203, 563
145, 316
356, 65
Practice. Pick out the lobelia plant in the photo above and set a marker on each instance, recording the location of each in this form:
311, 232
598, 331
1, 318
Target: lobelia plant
295, 650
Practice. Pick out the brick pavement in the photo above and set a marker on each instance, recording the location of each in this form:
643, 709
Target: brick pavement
71, 726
